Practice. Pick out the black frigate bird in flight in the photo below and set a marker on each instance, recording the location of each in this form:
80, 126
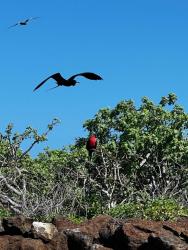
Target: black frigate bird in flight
60, 81
23, 22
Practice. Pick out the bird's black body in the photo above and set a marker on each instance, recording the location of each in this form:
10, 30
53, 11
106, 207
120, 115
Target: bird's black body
60, 81
23, 22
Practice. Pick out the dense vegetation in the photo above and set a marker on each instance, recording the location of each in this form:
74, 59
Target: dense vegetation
140, 167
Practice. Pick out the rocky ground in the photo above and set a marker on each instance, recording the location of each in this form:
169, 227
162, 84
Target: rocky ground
100, 233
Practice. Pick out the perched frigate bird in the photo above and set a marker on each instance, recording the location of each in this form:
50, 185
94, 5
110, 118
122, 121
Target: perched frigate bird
60, 81
91, 145
23, 22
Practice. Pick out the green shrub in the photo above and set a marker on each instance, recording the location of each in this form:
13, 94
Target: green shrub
5, 213
76, 219
163, 209
157, 209
126, 210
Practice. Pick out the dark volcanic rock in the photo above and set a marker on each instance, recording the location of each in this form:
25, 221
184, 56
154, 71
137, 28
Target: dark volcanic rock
144, 235
10, 242
154, 235
165, 242
87, 233
17, 225
31, 244
100, 233
62, 223
121, 235
59, 242
109, 231
93, 226
78, 240
18, 242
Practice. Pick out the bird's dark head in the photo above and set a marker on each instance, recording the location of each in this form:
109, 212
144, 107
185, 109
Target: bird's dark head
93, 135
74, 82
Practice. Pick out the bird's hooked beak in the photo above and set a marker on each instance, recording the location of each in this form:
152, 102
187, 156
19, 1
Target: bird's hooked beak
76, 83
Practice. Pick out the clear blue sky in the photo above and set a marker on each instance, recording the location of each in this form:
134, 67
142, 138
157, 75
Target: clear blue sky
139, 47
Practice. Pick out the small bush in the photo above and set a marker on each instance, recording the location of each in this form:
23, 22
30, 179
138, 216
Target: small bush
5, 213
163, 209
126, 210
76, 219
157, 209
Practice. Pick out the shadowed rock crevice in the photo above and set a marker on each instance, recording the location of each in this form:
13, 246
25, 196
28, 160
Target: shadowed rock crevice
184, 236
18, 225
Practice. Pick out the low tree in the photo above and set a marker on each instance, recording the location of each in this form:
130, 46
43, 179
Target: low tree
142, 152
19, 184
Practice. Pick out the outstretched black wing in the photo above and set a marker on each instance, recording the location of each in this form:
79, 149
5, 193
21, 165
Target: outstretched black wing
56, 76
26, 20
13, 25
88, 75
40, 84
32, 18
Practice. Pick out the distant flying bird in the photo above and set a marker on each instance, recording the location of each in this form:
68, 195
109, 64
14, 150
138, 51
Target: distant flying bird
23, 22
60, 81
91, 145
